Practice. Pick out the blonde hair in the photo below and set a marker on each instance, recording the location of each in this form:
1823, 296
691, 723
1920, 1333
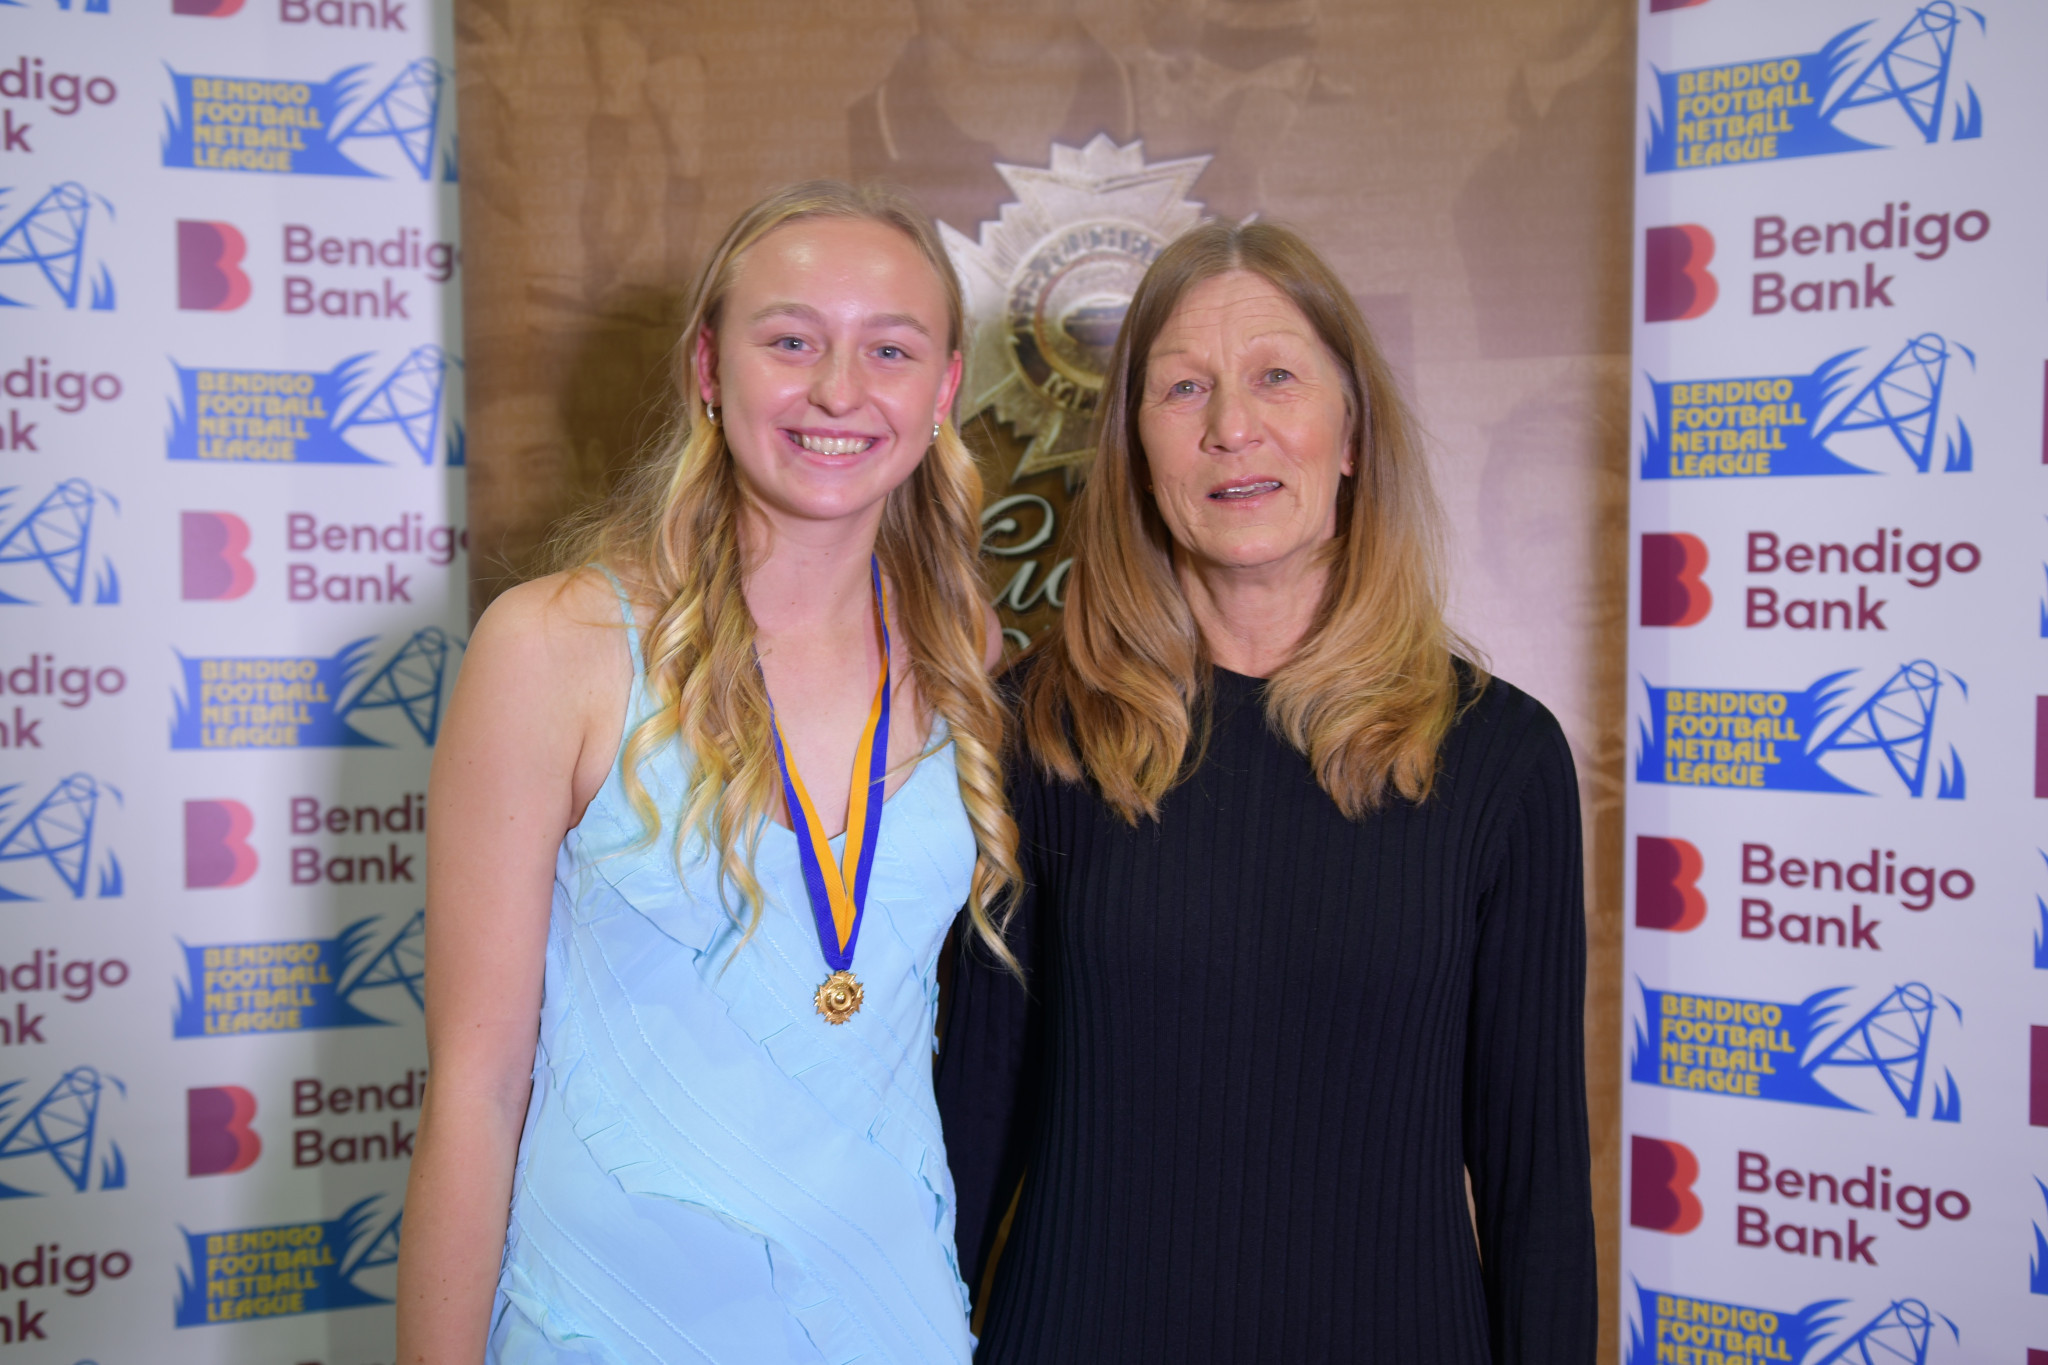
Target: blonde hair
672, 528
1121, 692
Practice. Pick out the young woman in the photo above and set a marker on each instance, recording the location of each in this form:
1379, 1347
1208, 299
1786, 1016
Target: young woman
714, 1021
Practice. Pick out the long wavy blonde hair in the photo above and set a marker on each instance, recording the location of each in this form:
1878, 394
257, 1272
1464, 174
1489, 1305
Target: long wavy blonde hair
672, 531
1121, 692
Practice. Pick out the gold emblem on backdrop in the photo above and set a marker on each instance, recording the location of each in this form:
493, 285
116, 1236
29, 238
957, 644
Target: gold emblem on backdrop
1048, 282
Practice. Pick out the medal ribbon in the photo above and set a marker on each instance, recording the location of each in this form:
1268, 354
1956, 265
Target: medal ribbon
839, 892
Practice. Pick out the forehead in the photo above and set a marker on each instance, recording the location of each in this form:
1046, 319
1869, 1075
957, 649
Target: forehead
852, 265
1232, 310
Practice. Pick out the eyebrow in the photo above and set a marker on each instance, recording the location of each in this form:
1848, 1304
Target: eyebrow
806, 313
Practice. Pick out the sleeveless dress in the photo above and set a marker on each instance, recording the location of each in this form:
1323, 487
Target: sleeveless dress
709, 1171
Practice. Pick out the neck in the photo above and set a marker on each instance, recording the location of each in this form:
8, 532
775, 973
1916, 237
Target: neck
808, 576
1252, 620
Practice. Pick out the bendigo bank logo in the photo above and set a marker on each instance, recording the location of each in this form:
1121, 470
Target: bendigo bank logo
218, 1138
55, 1144
1660, 1193
68, 392
1677, 286
210, 274
1846, 97
207, 9
1668, 895
1667, 885
1782, 740
54, 550
1683, 1327
221, 1138
294, 985
1777, 426
212, 558
44, 255
217, 850
321, 416
344, 125
56, 849
316, 701
1673, 594
1791, 1053
240, 1274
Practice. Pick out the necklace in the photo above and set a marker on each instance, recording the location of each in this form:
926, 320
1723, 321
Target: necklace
838, 888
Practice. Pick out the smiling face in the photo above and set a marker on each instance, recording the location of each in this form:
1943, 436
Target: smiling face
829, 367
1245, 428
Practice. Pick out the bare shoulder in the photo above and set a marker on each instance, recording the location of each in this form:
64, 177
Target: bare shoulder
553, 642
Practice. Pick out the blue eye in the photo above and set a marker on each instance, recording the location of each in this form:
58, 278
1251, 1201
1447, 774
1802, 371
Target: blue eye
889, 352
1278, 376
1184, 387
788, 343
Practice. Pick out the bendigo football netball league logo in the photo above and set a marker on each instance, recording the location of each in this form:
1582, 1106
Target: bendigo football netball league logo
1048, 282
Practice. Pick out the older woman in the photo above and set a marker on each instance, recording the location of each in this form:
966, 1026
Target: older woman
1303, 932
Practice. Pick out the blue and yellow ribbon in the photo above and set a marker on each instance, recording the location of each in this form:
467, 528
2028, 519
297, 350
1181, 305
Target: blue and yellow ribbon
839, 889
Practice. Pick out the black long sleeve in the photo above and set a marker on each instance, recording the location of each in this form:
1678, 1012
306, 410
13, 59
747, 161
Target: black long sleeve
1261, 1047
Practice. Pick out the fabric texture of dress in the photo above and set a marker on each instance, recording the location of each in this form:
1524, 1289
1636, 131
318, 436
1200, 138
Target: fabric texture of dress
709, 1171
1262, 1048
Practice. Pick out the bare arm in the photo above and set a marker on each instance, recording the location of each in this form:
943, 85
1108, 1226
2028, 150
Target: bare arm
530, 734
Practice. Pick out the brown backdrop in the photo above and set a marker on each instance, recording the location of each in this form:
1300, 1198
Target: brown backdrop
1464, 164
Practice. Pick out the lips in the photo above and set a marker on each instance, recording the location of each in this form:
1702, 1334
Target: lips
1237, 492
831, 445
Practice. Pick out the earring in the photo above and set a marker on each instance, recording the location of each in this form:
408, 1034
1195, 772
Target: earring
711, 413
935, 431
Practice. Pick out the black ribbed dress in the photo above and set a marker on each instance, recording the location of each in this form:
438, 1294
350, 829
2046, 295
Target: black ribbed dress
1262, 1047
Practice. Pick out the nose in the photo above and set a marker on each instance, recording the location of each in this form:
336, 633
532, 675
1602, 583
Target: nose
1231, 424
836, 383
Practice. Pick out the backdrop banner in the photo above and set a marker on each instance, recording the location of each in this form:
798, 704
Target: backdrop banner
1836, 1115
232, 600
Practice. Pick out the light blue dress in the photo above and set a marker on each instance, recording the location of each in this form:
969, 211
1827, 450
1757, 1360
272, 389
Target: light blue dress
709, 1171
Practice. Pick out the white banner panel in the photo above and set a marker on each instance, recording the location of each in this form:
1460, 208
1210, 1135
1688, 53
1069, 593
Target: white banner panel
232, 599
1836, 1112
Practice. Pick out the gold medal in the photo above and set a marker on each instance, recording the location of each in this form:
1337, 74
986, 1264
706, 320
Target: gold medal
840, 997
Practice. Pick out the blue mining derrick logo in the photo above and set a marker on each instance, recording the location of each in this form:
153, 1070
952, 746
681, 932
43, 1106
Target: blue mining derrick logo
1668, 1327
319, 416
241, 1274
1769, 1050
330, 127
2037, 1279
294, 985
53, 852
50, 1146
1760, 739
1811, 104
316, 701
1781, 426
2041, 933
49, 249
45, 555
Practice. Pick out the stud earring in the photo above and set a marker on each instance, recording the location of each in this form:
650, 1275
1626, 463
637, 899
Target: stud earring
935, 431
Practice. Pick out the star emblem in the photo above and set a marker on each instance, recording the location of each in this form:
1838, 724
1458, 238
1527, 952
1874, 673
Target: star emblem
1048, 282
